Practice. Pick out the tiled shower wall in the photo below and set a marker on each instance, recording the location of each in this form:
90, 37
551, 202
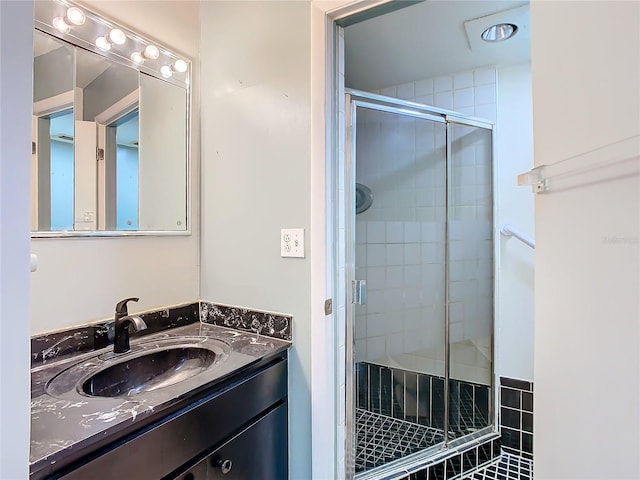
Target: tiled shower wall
400, 239
516, 416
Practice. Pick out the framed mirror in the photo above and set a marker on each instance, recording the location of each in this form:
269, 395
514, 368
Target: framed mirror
110, 149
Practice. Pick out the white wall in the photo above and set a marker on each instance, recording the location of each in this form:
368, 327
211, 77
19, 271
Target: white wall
16, 47
515, 268
80, 280
256, 176
586, 95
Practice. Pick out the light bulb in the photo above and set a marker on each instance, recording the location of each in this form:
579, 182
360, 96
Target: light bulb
117, 36
76, 16
60, 25
166, 71
151, 52
103, 44
180, 66
137, 58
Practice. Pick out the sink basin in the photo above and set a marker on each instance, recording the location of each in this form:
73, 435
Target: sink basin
149, 372
147, 368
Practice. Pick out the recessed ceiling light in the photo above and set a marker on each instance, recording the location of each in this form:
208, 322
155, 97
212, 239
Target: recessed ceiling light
499, 32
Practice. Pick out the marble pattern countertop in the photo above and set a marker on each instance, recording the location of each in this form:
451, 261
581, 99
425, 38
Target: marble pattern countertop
64, 421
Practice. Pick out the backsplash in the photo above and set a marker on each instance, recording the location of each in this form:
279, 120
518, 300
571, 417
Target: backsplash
99, 335
263, 323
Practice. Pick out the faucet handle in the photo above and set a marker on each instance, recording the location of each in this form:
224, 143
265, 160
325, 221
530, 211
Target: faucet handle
121, 306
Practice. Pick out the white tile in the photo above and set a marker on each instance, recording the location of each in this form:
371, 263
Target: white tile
425, 214
483, 76
463, 98
463, 80
444, 100
376, 278
393, 300
412, 275
485, 94
389, 91
406, 91
375, 302
395, 254
466, 110
375, 348
376, 232
425, 99
412, 297
486, 111
395, 344
429, 232
423, 87
429, 253
395, 232
361, 350
361, 231
411, 232
376, 255
411, 253
376, 325
361, 255
411, 341
456, 312
442, 84
395, 277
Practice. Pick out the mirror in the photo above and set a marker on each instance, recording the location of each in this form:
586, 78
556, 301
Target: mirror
109, 151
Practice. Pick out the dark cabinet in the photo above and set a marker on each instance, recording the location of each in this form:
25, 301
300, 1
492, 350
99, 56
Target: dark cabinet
238, 431
255, 453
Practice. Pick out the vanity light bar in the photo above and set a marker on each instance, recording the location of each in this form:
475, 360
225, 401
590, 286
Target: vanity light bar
63, 18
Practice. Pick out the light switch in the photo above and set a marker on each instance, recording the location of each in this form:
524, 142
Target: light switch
292, 242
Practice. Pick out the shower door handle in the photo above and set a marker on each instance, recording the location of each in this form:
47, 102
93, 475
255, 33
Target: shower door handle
359, 288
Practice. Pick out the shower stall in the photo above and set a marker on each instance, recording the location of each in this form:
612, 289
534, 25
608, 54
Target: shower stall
420, 333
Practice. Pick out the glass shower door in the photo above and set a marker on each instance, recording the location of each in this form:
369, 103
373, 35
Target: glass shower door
470, 279
400, 166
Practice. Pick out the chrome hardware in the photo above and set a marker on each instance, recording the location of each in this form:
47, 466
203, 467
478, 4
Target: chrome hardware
328, 306
359, 292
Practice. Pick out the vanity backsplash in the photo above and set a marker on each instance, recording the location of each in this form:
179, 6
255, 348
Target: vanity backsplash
99, 335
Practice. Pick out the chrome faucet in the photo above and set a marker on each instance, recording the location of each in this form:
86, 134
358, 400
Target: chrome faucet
121, 326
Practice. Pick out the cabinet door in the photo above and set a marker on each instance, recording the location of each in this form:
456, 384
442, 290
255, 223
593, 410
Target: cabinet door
197, 472
257, 453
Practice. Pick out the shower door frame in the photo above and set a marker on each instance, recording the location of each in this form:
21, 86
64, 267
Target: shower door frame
355, 99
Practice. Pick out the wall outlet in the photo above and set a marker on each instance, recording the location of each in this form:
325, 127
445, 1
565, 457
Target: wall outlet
292, 242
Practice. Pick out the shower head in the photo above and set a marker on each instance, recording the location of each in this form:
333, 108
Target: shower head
364, 198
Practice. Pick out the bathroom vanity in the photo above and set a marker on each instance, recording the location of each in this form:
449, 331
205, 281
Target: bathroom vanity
196, 402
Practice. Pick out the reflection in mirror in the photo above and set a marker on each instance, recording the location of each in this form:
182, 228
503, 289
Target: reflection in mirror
61, 157
109, 96
127, 168
163, 150
110, 130
52, 135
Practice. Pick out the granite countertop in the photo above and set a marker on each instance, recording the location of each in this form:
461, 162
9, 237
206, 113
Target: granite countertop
64, 421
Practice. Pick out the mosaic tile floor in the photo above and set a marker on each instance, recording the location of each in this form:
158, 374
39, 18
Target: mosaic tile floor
382, 439
509, 467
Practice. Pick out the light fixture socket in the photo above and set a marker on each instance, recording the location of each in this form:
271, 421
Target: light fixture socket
103, 44
60, 24
499, 32
137, 58
151, 52
166, 71
117, 36
76, 16
180, 66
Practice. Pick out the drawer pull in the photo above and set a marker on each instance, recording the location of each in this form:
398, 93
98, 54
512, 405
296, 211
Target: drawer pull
225, 466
